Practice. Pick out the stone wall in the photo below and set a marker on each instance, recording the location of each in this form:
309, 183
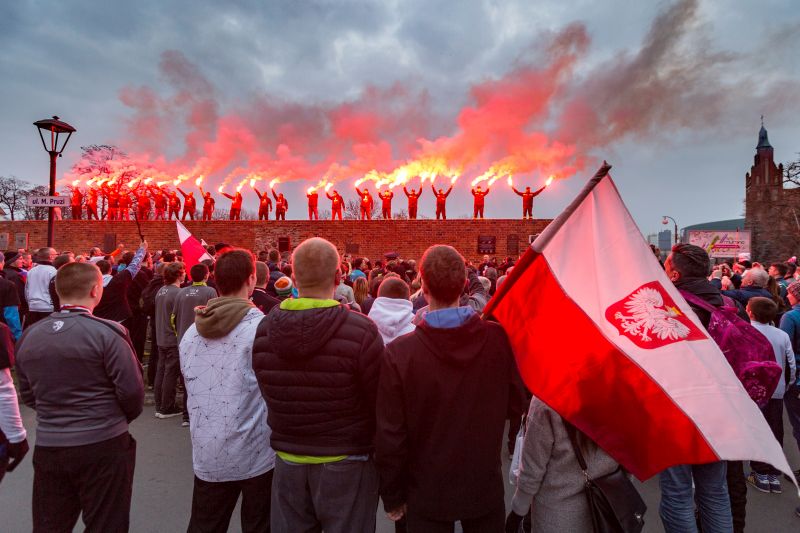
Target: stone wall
364, 238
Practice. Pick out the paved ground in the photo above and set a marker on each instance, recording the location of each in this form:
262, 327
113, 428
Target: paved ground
163, 487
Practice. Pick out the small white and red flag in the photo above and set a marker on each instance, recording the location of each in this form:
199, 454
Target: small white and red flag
193, 252
603, 337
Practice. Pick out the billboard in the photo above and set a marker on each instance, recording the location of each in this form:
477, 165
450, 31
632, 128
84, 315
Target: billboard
721, 244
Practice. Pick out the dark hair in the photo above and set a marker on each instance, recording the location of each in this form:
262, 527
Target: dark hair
782, 268
198, 272
168, 257
790, 270
263, 256
232, 270
262, 273
60, 261
74, 280
287, 270
126, 258
374, 285
211, 250
444, 273
274, 256
764, 310
690, 261
104, 266
394, 287
173, 271
358, 263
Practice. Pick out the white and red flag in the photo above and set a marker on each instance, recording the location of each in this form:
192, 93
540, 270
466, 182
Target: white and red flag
193, 252
603, 337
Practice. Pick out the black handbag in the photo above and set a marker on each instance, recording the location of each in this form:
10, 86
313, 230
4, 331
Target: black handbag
615, 504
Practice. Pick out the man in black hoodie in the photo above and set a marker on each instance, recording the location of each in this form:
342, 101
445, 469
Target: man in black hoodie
317, 366
443, 396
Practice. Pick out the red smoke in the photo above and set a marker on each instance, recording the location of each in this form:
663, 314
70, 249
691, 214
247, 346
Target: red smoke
542, 118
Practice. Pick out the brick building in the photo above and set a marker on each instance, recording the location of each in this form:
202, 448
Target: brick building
772, 211
498, 237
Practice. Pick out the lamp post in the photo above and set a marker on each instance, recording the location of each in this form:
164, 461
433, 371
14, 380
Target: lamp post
54, 127
666, 220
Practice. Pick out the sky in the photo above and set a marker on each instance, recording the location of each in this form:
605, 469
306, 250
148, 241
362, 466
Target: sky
669, 93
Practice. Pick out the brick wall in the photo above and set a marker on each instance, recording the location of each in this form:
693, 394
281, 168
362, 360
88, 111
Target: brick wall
373, 238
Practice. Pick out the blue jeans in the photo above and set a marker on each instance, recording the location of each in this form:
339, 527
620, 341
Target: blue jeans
711, 493
792, 401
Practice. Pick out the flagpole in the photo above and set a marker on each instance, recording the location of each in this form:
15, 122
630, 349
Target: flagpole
545, 237
550, 231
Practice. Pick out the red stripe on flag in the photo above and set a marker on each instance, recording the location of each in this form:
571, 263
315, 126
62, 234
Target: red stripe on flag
566, 361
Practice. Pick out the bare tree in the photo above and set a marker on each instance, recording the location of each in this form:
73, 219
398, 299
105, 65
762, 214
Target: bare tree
352, 210
13, 195
791, 172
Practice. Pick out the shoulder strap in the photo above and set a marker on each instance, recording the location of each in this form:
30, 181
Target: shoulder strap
699, 302
572, 431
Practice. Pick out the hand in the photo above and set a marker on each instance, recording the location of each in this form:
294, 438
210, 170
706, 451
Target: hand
16, 452
144, 244
513, 521
121, 246
398, 513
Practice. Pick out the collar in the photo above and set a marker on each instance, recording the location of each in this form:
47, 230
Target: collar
75, 309
199, 284
452, 317
301, 304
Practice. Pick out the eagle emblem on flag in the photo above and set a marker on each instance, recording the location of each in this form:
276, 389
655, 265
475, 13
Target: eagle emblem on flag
650, 319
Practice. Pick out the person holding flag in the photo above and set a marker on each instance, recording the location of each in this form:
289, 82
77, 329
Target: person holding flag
413, 198
527, 199
676, 406
336, 204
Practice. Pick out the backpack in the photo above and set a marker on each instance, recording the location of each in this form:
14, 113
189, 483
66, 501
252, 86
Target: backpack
748, 352
148, 297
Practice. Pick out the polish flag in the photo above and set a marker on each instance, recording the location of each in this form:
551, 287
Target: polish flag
193, 252
603, 337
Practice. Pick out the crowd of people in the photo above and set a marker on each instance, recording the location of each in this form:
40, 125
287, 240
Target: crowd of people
145, 201
317, 383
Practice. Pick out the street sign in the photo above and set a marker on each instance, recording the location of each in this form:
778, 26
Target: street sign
47, 201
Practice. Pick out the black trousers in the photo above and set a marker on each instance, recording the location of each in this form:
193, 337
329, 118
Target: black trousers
152, 363
213, 504
737, 493
773, 413
492, 522
95, 479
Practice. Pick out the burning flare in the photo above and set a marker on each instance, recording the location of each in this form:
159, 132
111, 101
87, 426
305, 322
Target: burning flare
549, 181
273, 182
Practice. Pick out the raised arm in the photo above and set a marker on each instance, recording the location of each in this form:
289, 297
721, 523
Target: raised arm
433, 189
226, 195
358, 192
274, 194
486, 192
449, 191
540, 191
259, 194
518, 193
405, 190
183, 193
201, 190
328, 195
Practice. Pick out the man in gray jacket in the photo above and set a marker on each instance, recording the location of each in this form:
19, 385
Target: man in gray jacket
81, 375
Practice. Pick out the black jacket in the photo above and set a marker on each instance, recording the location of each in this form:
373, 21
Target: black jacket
14, 275
318, 372
442, 404
114, 304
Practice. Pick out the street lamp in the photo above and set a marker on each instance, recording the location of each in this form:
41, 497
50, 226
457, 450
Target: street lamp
666, 220
54, 127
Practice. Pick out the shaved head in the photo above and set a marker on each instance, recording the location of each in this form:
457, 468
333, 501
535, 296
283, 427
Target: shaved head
315, 265
394, 287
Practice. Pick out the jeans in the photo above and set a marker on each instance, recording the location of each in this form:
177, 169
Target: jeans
773, 412
340, 497
213, 504
94, 479
792, 401
711, 494
167, 375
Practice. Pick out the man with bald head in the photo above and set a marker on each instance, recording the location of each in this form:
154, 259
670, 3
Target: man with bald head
317, 366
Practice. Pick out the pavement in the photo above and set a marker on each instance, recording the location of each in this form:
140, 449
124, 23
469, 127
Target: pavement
162, 491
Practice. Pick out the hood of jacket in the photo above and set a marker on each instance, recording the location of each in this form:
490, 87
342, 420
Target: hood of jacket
300, 333
392, 316
702, 288
457, 346
218, 318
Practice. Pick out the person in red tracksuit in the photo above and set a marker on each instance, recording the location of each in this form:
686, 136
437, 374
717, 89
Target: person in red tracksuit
75, 203
336, 204
281, 206
174, 205
142, 204
208, 204
386, 203
236, 205
264, 205
366, 203
413, 198
91, 204
527, 200
478, 204
159, 202
441, 202
189, 204
313, 203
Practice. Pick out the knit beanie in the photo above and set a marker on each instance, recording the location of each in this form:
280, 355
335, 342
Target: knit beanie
283, 286
794, 290
10, 256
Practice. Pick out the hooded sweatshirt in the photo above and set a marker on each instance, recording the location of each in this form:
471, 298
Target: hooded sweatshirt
444, 395
393, 317
223, 396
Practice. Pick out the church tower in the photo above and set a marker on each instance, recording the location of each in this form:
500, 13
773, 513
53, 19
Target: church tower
768, 214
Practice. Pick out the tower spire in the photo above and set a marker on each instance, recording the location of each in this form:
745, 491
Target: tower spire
763, 140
